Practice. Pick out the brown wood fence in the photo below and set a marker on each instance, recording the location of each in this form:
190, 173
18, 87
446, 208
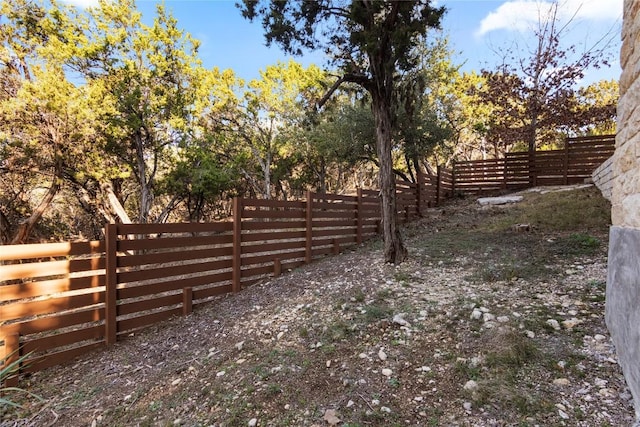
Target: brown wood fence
571, 165
60, 300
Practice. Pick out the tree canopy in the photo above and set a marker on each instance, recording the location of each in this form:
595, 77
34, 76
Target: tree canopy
106, 117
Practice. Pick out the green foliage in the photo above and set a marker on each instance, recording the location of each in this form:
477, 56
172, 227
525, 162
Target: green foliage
8, 370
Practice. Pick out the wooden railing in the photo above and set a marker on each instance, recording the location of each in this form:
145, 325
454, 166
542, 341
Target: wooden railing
61, 300
571, 165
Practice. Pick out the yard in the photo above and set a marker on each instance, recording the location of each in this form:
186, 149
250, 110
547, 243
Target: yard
482, 326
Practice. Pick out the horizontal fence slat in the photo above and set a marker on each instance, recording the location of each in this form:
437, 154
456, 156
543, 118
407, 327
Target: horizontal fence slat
185, 227
174, 242
46, 250
127, 325
172, 271
47, 287
148, 304
95, 332
34, 308
57, 321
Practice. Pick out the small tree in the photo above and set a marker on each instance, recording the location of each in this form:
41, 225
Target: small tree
535, 96
370, 41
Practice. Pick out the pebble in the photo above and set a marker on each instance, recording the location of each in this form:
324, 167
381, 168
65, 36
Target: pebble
467, 406
385, 409
471, 385
488, 317
176, 381
476, 314
382, 355
561, 381
571, 323
375, 402
221, 373
350, 403
503, 319
240, 345
253, 422
177, 421
530, 334
387, 372
554, 324
599, 337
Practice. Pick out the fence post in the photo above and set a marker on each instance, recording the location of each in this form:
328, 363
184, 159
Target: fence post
111, 283
533, 173
309, 229
236, 284
453, 179
11, 354
277, 267
565, 166
187, 300
504, 173
359, 217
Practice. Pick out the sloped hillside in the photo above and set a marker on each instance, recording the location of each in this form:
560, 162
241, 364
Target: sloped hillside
484, 325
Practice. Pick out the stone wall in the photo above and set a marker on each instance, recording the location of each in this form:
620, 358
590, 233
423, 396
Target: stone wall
623, 278
603, 178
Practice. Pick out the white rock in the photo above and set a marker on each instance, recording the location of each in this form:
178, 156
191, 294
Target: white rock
483, 201
350, 403
599, 337
561, 381
177, 421
176, 381
382, 355
385, 409
387, 372
253, 422
362, 355
375, 402
399, 319
467, 406
476, 314
530, 334
220, 374
240, 345
554, 324
471, 385
563, 414
280, 335
488, 317
503, 319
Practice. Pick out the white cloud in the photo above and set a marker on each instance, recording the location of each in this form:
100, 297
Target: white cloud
521, 15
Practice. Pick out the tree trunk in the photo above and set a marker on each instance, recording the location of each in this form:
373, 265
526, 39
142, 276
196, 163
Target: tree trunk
394, 250
26, 227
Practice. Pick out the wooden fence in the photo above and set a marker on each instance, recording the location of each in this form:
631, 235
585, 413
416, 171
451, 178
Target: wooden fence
60, 300
571, 165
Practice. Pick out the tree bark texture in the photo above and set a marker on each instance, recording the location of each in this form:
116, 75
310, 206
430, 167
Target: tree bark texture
394, 250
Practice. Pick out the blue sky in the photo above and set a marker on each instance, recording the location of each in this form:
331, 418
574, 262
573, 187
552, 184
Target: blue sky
477, 29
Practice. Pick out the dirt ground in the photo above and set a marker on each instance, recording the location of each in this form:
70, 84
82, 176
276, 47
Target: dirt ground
483, 325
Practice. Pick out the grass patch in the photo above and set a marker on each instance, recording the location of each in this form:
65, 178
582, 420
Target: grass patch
564, 211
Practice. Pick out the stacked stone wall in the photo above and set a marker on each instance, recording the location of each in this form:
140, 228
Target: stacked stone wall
625, 200
603, 178
623, 276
